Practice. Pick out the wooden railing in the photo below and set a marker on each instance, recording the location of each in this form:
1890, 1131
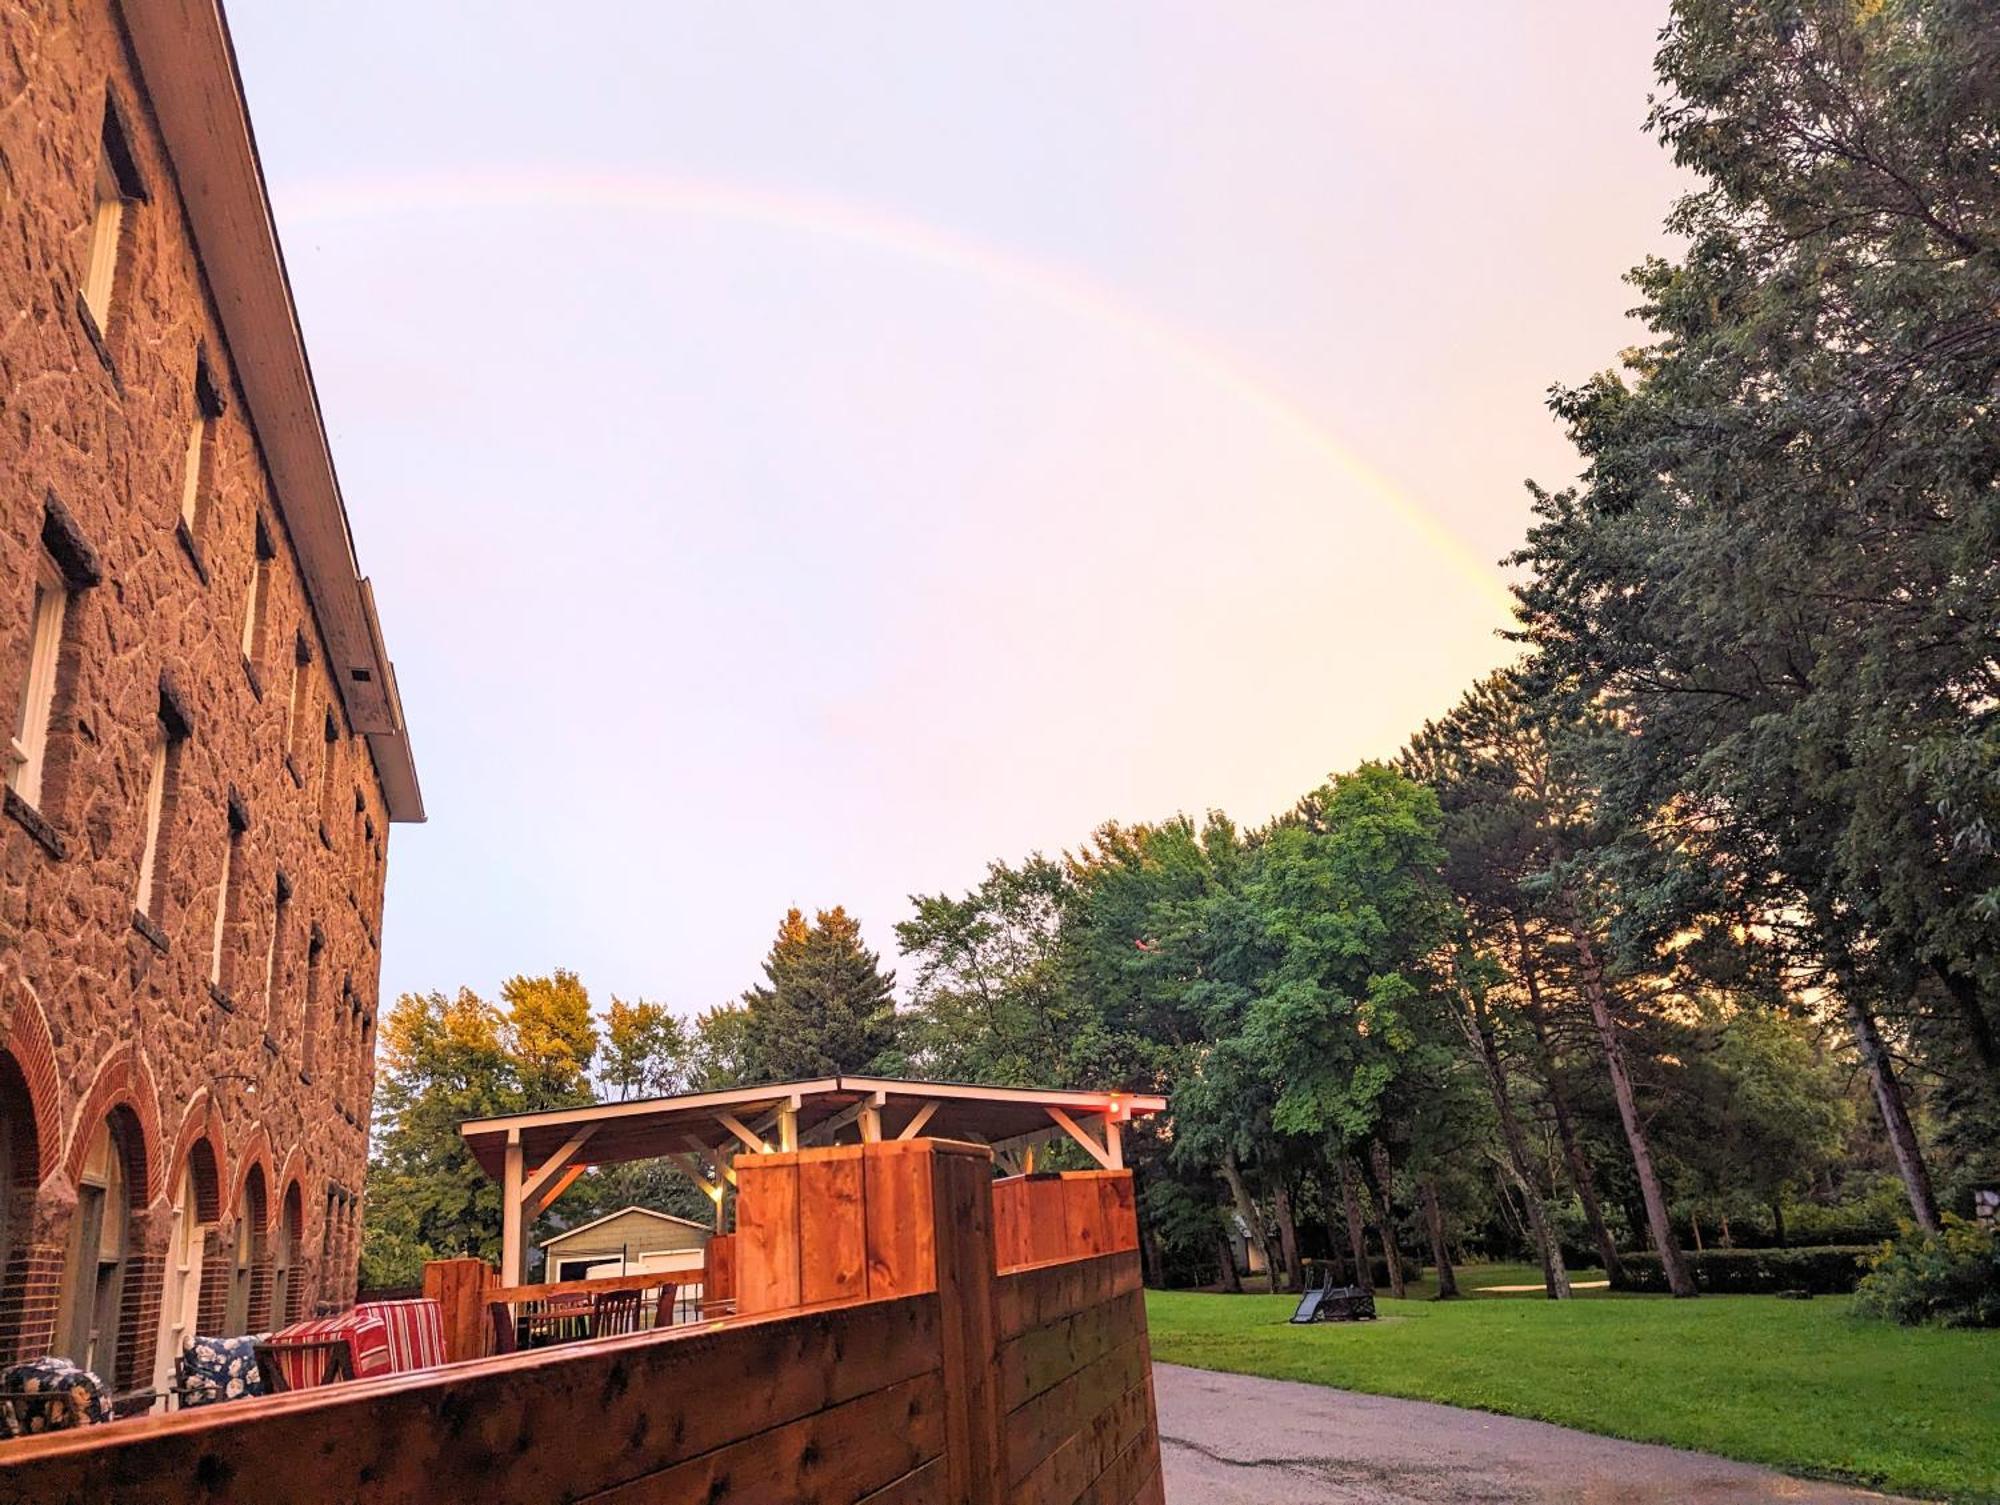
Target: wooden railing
885, 1353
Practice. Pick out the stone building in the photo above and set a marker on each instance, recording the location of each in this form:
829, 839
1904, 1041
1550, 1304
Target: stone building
203, 742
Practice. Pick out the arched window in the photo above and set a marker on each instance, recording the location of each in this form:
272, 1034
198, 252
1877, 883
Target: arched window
195, 1207
100, 1247
20, 1170
246, 1313
287, 1291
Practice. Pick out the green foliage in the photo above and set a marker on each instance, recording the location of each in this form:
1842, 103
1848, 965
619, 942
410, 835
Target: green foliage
551, 1038
648, 1050
1825, 1270
1782, 568
992, 999
721, 1055
1950, 1278
442, 1060
826, 1007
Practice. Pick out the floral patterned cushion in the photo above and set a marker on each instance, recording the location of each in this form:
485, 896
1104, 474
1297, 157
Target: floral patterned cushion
51, 1395
218, 1369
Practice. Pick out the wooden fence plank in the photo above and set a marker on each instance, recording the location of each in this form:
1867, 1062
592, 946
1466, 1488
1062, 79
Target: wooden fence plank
1010, 1222
718, 1274
1125, 1475
1039, 1427
1048, 1218
1041, 1294
924, 1486
1083, 1457
1153, 1491
526, 1429
833, 1255
962, 1233
767, 1233
836, 1457
1045, 1356
459, 1287
896, 1179
1121, 1212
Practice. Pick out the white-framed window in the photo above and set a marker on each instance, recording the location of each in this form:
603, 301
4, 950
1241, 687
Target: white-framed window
107, 224
256, 606
275, 958
113, 190
191, 479
225, 903
156, 799
27, 749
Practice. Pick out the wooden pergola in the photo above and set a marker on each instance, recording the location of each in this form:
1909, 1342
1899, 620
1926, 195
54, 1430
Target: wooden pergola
536, 1157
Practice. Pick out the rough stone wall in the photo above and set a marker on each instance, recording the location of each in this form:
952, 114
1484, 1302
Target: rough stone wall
100, 1009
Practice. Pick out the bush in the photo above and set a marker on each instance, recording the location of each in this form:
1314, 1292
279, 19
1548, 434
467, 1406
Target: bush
1951, 1279
1825, 1270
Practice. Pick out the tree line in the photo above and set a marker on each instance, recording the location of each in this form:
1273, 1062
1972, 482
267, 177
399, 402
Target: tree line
1682, 930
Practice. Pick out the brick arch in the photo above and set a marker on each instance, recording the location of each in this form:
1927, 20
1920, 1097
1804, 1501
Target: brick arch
33, 1049
255, 1155
123, 1081
201, 1125
295, 1171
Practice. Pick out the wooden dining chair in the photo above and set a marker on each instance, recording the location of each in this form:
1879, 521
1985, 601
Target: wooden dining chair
663, 1306
614, 1312
501, 1316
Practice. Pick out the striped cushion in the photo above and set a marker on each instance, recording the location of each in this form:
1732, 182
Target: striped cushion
367, 1340
416, 1332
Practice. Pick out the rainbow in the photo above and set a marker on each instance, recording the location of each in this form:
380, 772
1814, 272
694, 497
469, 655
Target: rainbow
319, 201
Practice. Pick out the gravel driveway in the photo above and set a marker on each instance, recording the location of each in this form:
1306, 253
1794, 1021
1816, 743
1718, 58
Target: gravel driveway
1233, 1440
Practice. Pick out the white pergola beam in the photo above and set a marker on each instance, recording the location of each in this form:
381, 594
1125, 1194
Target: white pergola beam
1103, 1154
737, 1127
917, 1121
557, 1162
513, 1252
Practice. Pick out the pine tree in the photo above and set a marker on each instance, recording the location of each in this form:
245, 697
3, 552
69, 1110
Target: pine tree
828, 1006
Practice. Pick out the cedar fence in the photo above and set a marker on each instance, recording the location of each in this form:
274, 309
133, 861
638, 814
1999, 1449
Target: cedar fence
908, 1331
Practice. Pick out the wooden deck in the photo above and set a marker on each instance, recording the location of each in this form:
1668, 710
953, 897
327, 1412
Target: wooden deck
908, 1331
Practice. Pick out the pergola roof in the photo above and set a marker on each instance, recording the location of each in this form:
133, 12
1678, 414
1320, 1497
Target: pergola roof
650, 1127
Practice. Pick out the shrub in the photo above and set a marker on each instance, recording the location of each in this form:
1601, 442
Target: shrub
1950, 1278
1825, 1270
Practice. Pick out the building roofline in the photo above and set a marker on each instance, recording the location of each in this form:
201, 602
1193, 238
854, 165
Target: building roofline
651, 1212
188, 66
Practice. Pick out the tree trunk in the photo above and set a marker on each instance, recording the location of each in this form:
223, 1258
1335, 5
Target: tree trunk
1579, 1163
1964, 994
1357, 1236
1778, 1219
1250, 1213
1226, 1265
1554, 1276
1591, 973
1895, 1116
1288, 1237
1385, 1205
1440, 1256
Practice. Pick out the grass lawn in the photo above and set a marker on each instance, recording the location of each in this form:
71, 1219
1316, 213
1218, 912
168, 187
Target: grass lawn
1798, 1385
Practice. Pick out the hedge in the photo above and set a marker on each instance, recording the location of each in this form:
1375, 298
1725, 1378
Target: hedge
1824, 1270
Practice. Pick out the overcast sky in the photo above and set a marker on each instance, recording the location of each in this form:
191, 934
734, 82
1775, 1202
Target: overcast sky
803, 452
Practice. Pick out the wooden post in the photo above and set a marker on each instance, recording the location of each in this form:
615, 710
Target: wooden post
962, 1232
459, 1287
513, 1253
1114, 1144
